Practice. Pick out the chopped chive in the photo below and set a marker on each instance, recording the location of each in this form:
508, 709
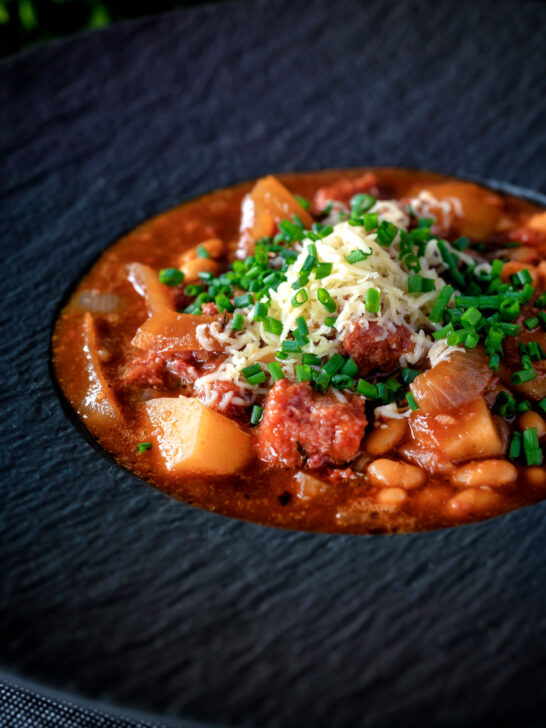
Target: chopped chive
237, 322
243, 301
330, 321
302, 325
521, 277
386, 233
260, 311
350, 368
356, 256
275, 370
361, 202
541, 301
494, 362
461, 243
531, 322
311, 359
542, 405
304, 373
322, 270
471, 341
274, 325
321, 379
193, 290
505, 404
411, 401
258, 378
302, 339
326, 299
542, 319
371, 221
419, 284
309, 263
334, 364
342, 381
372, 303
441, 304
300, 298
524, 406
202, 252
250, 370
223, 303
256, 414
471, 316
408, 375
143, 446
526, 361
302, 201
367, 389
171, 276
509, 309
206, 276
443, 332
194, 309
525, 375
281, 355
291, 347
515, 446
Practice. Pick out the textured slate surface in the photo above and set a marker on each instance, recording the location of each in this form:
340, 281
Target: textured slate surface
109, 588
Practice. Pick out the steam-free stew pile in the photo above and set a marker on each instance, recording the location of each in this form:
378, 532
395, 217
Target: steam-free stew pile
359, 351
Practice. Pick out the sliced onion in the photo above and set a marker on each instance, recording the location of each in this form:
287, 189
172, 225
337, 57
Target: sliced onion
97, 302
453, 382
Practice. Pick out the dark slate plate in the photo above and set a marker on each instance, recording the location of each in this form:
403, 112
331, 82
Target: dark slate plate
111, 589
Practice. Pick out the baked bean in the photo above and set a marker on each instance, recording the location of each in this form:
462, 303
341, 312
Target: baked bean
193, 267
535, 476
391, 497
532, 419
214, 247
396, 474
485, 472
472, 501
385, 437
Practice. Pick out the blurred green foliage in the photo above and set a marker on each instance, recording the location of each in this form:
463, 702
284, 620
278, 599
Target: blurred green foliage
26, 22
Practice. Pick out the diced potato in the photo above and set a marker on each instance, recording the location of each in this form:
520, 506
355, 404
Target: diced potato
194, 439
482, 209
468, 434
268, 203
99, 403
146, 282
171, 331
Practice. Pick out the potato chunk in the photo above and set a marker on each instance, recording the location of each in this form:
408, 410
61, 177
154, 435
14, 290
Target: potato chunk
99, 405
171, 331
194, 439
469, 433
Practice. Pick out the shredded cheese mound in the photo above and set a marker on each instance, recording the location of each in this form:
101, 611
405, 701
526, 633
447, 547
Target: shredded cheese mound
347, 285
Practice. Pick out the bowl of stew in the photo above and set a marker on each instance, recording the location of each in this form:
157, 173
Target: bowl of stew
347, 351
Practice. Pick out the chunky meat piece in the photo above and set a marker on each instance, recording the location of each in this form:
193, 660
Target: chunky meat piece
376, 348
344, 189
299, 422
165, 370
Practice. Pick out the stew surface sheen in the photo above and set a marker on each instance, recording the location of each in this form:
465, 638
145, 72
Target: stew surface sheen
421, 296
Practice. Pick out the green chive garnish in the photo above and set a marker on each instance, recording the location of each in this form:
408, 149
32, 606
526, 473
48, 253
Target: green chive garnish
143, 446
373, 297
171, 276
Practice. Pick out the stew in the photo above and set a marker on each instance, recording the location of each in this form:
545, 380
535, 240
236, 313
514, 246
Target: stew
345, 351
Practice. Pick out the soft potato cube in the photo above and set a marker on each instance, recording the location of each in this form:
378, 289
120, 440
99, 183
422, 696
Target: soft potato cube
267, 204
194, 439
470, 433
171, 331
99, 404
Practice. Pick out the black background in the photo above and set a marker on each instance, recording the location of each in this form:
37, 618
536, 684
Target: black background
111, 589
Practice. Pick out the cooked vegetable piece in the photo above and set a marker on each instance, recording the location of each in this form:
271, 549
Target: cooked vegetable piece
467, 434
453, 382
171, 331
267, 204
146, 282
99, 404
185, 430
481, 208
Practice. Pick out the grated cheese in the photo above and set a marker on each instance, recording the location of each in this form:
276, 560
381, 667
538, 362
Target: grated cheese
347, 284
